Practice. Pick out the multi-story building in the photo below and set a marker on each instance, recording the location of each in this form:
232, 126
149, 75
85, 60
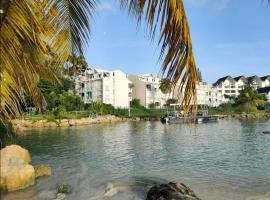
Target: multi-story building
206, 95
146, 89
231, 87
109, 87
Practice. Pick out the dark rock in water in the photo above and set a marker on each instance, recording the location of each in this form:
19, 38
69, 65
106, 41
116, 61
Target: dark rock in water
63, 189
171, 191
43, 170
266, 132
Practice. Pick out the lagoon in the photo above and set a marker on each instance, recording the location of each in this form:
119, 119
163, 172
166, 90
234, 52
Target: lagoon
229, 159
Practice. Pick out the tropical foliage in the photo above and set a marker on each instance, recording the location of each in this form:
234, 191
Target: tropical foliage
166, 86
37, 38
249, 100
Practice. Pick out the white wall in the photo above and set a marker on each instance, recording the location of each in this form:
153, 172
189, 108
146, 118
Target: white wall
144, 94
108, 87
121, 90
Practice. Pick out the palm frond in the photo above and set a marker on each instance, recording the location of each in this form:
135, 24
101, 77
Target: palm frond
36, 38
72, 23
176, 47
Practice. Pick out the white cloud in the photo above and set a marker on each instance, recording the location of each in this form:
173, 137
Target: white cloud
106, 7
198, 3
222, 4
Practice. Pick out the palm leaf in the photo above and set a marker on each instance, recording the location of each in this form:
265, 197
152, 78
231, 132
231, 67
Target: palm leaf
36, 38
176, 48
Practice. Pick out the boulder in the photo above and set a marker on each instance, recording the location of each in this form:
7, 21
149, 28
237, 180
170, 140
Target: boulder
42, 170
15, 151
171, 191
16, 172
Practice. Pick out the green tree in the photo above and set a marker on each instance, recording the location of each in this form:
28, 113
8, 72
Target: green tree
249, 99
75, 64
199, 75
165, 86
135, 103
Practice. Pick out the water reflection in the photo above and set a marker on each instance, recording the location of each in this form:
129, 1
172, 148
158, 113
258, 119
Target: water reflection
224, 160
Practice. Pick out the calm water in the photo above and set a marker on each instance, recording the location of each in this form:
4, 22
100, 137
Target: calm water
224, 160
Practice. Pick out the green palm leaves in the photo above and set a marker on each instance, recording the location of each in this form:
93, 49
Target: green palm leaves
38, 37
176, 49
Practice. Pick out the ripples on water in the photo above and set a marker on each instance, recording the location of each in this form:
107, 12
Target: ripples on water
224, 160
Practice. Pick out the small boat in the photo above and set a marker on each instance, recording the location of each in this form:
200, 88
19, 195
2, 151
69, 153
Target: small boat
266, 132
199, 120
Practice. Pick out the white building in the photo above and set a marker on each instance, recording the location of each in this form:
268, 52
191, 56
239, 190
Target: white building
231, 87
109, 87
206, 95
265, 81
146, 89
265, 91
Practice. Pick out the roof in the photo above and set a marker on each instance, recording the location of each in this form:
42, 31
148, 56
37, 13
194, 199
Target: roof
265, 77
239, 77
222, 79
254, 77
263, 90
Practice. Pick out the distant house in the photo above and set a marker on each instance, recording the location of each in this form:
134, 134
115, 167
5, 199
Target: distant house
265, 81
255, 81
231, 87
227, 87
265, 91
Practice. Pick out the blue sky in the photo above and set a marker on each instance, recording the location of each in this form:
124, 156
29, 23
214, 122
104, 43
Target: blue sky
230, 37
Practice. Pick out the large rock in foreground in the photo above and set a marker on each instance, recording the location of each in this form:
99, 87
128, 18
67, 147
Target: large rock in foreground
16, 172
171, 191
15, 151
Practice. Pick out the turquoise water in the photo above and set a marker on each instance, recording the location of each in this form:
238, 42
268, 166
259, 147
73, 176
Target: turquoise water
224, 160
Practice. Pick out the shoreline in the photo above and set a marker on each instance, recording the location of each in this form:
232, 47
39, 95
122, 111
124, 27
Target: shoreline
25, 124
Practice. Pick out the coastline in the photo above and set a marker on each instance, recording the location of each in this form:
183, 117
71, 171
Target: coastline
25, 124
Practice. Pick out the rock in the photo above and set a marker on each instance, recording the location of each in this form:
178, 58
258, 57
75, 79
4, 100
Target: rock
15, 151
64, 189
60, 196
171, 191
42, 170
16, 173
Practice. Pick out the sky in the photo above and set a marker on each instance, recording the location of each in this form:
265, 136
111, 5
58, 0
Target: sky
230, 37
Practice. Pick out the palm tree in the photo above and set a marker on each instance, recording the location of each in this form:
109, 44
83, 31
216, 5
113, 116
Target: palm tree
165, 86
75, 64
38, 37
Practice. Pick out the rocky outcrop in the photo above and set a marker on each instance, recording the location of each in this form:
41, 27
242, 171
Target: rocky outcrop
16, 171
244, 116
171, 191
42, 170
24, 124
